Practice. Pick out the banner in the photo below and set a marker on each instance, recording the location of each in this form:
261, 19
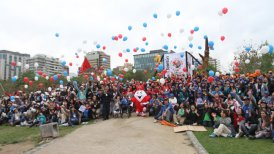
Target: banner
174, 64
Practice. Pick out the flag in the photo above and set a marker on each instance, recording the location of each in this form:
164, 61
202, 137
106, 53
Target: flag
85, 66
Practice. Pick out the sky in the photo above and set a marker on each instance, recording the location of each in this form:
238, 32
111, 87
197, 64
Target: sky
30, 26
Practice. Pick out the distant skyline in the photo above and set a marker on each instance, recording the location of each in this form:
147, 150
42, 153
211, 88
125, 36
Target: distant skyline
30, 26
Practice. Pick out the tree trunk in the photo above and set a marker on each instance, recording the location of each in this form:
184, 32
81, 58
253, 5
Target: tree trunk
205, 58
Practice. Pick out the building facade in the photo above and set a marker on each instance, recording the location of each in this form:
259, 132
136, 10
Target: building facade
96, 59
146, 61
48, 65
6, 69
129, 66
215, 62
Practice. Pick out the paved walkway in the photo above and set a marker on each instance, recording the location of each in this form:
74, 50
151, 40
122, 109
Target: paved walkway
118, 136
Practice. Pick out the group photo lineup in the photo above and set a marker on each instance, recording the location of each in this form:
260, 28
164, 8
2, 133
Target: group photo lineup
136, 77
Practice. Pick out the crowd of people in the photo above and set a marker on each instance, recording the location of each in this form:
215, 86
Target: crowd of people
235, 106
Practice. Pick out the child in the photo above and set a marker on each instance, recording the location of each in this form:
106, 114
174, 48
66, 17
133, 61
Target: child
181, 114
116, 107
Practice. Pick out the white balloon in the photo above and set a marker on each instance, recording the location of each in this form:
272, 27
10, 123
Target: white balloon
168, 16
47, 77
92, 73
134, 70
27, 66
162, 34
247, 61
182, 30
36, 65
79, 50
68, 78
26, 86
61, 86
192, 67
36, 78
220, 13
264, 49
217, 74
98, 78
190, 38
19, 64
125, 69
162, 81
49, 89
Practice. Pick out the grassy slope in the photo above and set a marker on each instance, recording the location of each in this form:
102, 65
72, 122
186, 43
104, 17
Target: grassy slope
222, 145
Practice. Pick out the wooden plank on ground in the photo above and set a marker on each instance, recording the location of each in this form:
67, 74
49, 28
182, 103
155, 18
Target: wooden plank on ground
189, 128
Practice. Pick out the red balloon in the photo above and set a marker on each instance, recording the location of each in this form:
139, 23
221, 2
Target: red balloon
70, 64
101, 67
112, 79
121, 76
164, 71
191, 31
30, 83
184, 69
134, 50
77, 56
26, 79
13, 63
155, 69
44, 75
222, 38
225, 10
120, 36
51, 79
144, 39
157, 65
236, 63
40, 73
237, 70
210, 79
169, 34
41, 85
59, 76
86, 76
126, 60
116, 38
200, 67
120, 54
104, 47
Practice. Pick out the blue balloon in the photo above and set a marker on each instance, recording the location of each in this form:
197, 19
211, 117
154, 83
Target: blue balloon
91, 78
65, 73
199, 47
146, 43
56, 34
270, 49
196, 29
13, 79
61, 82
109, 72
76, 53
155, 16
104, 60
247, 49
129, 28
211, 73
165, 47
55, 77
196, 63
153, 78
182, 55
145, 24
63, 63
190, 45
178, 13
211, 44
127, 50
98, 46
125, 38
121, 79
113, 37
160, 68
175, 47
205, 37
12, 98
143, 50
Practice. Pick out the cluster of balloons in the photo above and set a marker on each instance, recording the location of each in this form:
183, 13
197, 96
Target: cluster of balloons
267, 49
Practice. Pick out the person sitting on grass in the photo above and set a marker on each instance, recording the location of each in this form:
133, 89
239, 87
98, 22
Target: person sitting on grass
264, 127
40, 120
181, 114
166, 112
192, 116
272, 125
224, 125
15, 118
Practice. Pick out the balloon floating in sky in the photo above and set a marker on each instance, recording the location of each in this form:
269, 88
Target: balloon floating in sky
144, 38
125, 38
190, 45
222, 38
165, 47
104, 47
224, 10
191, 31
127, 50
211, 73
145, 24
169, 34
190, 38
181, 30
63, 63
129, 28
120, 54
175, 47
178, 13
247, 49
56, 34
196, 29
155, 15
205, 37
120, 36
211, 44
98, 46
200, 47
182, 55
143, 49
146, 43
168, 16
270, 50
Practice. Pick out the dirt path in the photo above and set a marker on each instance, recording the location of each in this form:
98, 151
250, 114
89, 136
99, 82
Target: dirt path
17, 148
118, 136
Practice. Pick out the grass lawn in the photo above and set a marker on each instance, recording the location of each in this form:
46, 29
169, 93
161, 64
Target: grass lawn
220, 145
11, 135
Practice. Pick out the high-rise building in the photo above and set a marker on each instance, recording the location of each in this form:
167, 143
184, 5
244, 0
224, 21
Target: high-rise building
46, 64
215, 63
96, 59
146, 60
6, 69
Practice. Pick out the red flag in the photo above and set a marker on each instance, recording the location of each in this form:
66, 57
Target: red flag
85, 66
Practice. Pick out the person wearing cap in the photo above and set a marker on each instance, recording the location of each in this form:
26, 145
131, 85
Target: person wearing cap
166, 111
15, 118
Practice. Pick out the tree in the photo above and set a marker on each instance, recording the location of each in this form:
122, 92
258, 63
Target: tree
205, 57
250, 61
